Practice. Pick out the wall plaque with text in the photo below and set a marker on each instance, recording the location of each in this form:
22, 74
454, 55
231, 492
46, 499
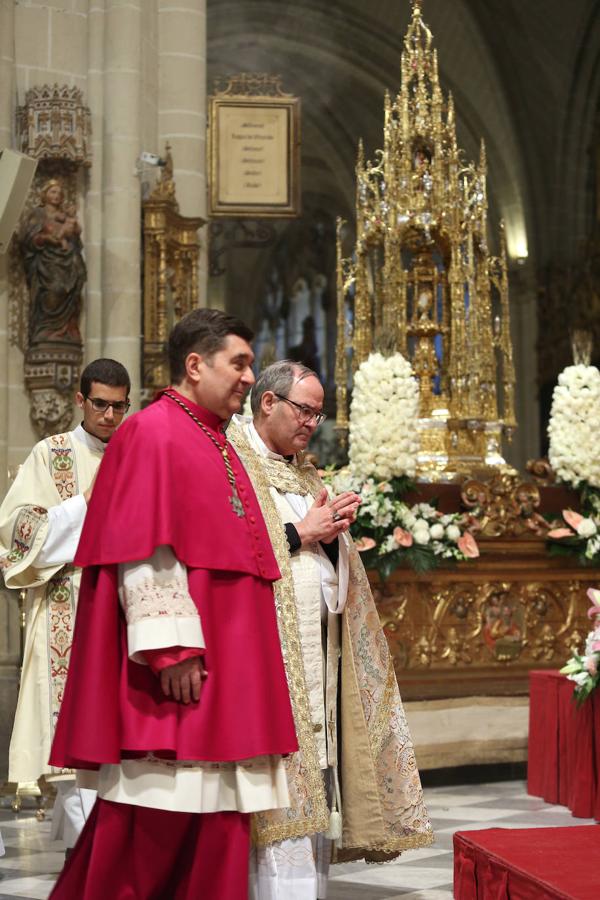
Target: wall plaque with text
254, 155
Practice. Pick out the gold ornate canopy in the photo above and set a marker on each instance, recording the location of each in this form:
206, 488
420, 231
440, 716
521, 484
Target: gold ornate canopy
421, 279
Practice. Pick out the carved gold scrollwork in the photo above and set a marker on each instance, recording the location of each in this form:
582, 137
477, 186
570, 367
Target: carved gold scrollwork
542, 471
439, 625
505, 506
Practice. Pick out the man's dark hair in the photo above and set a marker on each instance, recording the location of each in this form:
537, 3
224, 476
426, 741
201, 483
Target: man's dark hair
202, 331
104, 371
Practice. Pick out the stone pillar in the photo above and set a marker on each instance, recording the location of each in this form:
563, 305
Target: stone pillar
121, 196
182, 106
7, 65
9, 614
526, 443
93, 337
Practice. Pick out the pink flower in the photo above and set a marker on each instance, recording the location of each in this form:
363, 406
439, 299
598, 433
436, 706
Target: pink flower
594, 596
402, 537
595, 646
591, 666
468, 545
365, 543
558, 533
572, 518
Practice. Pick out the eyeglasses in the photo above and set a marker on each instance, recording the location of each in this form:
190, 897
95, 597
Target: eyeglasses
119, 408
306, 413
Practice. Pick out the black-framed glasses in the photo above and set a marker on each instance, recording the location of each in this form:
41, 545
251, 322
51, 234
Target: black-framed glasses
306, 413
119, 408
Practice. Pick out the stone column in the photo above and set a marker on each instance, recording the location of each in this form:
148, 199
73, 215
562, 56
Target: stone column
7, 65
524, 326
9, 614
121, 290
93, 338
182, 105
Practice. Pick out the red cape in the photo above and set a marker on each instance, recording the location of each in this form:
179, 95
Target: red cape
163, 482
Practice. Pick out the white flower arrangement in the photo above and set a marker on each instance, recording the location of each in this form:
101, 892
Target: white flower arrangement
384, 412
584, 669
581, 537
389, 533
575, 425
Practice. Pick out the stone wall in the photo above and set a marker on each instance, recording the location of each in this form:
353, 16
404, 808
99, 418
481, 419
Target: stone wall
141, 67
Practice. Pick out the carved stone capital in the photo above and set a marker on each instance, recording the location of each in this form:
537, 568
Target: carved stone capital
51, 375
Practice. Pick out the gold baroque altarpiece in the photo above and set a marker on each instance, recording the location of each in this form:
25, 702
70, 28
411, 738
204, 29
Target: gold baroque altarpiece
171, 252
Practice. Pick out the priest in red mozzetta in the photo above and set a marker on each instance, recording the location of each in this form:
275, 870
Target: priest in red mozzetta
176, 692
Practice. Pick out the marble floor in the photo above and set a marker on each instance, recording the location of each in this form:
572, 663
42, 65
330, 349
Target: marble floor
32, 860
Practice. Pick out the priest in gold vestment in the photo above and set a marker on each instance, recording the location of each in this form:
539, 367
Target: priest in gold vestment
354, 783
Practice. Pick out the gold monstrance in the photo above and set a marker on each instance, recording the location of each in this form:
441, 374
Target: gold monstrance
421, 280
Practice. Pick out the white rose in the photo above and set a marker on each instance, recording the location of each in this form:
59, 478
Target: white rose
586, 528
421, 537
453, 532
437, 531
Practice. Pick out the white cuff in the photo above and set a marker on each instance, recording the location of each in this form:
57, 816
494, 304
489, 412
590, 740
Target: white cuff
65, 523
162, 632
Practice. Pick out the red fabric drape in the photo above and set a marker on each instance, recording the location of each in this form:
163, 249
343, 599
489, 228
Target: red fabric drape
136, 853
527, 864
564, 745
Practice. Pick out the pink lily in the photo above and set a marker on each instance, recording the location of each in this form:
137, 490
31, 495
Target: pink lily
572, 518
365, 543
468, 545
594, 596
402, 537
558, 533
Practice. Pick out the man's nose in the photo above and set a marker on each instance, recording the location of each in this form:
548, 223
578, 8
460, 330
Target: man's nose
248, 377
109, 413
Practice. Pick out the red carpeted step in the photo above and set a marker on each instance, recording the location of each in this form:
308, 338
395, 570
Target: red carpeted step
528, 863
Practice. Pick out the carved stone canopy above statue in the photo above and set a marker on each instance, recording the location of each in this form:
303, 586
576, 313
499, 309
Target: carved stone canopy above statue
55, 125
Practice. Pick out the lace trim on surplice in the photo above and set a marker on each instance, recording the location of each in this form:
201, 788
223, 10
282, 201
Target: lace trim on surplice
148, 600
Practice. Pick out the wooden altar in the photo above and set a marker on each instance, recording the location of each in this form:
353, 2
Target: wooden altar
464, 639
479, 628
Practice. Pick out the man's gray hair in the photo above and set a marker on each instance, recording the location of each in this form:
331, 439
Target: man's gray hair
278, 378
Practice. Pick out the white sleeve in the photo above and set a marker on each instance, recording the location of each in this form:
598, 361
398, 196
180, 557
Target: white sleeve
159, 610
65, 522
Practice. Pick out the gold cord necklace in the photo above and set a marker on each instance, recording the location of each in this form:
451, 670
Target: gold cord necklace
235, 497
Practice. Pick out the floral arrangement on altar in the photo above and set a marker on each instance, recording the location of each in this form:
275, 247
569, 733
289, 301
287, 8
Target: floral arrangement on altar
384, 418
384, 442
574, 427
581, 535
390, 534
573, 454
584, 669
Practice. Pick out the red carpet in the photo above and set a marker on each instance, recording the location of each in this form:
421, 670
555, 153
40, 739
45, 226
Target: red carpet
527, 863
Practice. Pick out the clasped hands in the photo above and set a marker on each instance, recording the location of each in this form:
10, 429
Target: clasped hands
327, 519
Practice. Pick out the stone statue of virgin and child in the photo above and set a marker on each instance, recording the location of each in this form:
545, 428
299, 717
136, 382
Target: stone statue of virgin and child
54, 268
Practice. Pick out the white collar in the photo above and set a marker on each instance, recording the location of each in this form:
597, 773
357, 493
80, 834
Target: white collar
89, 440
257, 442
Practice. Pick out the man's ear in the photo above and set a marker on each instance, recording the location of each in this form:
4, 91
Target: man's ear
193, 367
267, 402
79, 399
